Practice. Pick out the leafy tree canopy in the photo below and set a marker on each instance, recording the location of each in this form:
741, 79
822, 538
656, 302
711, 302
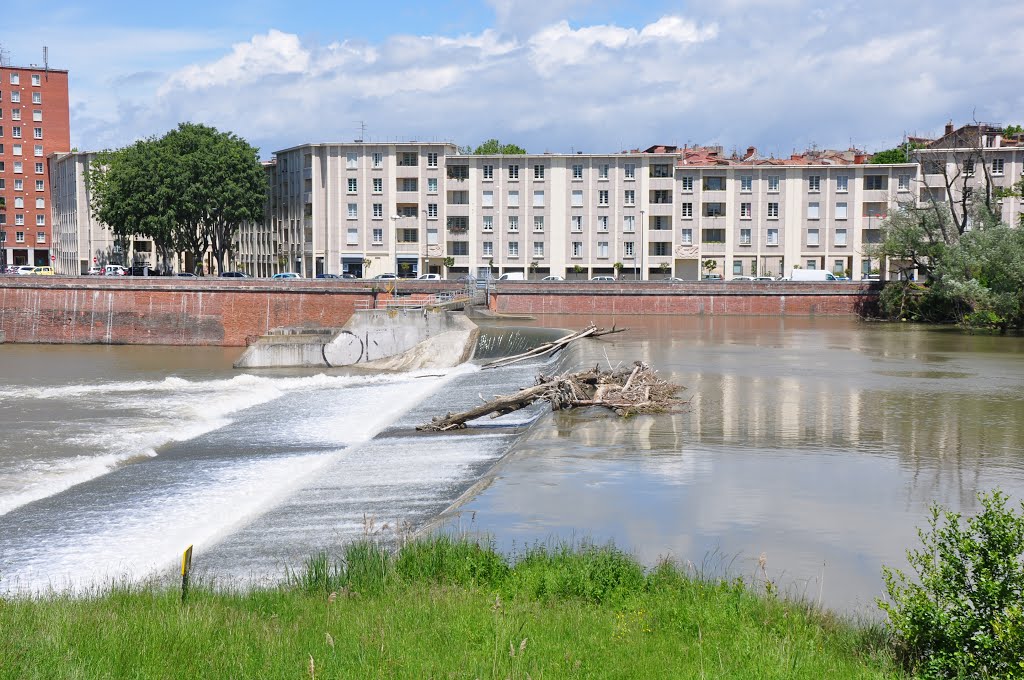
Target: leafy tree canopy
1011, 130
493, 146
897, 154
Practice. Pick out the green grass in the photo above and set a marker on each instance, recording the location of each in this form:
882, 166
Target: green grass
441, 608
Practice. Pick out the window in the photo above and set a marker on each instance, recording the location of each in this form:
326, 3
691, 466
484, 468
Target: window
630, 171
16, 132
19, 220
378, 235
814, 183
903, 183
812, 237
15, 97
713, 210
745, 211
713, 236
458, 248
378, 210
577, 172
3, 236
488, 248
997, 166
513, 199
39, 185
812, 264
629, 197
602, 248
35, 80
351, 160
39, 168
353, 185
968, 164
714, 184
746, 183
602, 197
538, 223
378, 159
576, 223
488, 199
686, 236
40, 203
353, 211
19, 184
409, 159
577, 248
458, 172
629, 223
744, 237
19, 202
840, 237
773, 237
18, 167
19, 236
488, 172
454, 223
602, 171
538, 248
513, 172
538, 199
37, 98
432, 185
378, 185
688, 210
410, 184
737, 267
352, 236
488, 223
627, 248
813, 210
431, 160
839, 267
602, 223
538, 172
513, 248
16, 149
840, 211
875, 182
40, 220
688, 184
431, 209
773, 211
577, 199
661, 196
15, 80
773, 184
513, 223
842, 183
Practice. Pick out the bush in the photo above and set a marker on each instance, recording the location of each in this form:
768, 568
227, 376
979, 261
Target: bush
965, 615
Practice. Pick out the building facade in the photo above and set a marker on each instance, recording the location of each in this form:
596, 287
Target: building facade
34, 122
367, 209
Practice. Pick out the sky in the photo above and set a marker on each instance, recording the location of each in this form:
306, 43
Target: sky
550, 75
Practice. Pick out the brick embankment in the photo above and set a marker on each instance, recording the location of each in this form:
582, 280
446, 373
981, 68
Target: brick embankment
782, 298
169, 311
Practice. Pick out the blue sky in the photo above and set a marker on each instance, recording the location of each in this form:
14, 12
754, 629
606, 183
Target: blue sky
551, 75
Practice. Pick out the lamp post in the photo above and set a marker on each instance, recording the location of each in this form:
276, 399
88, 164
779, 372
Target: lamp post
426, 243
641, 254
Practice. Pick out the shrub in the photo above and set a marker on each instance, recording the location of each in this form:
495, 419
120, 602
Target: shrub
964, 617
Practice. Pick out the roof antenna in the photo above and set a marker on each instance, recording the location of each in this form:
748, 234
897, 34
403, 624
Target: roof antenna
46, 61
362, 131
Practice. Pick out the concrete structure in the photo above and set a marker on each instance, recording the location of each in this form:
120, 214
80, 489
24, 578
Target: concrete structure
34, 122
407, 208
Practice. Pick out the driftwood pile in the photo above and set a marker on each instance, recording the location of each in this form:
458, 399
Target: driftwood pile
627, 391
553, 347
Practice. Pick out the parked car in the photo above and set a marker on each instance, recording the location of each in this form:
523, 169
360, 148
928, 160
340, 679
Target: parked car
811, 275
764, 278
188, 275
348, 275
712, 277
466, 278
113, 270
95, 270
42, 271
285, 275
872, 277
386, 277
11, 269
673, 279
553, 277
512, 276
742, 278
428, 277
26, 270
328, 276
603, 279
234, 275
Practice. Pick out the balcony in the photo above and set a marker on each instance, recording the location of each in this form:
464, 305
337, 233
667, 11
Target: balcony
307, 173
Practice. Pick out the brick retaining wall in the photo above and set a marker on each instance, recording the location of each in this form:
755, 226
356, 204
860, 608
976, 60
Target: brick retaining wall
782, 298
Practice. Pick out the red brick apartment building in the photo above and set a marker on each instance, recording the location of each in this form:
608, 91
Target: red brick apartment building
34, 123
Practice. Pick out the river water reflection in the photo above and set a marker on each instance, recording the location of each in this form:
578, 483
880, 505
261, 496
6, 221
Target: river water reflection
818, 442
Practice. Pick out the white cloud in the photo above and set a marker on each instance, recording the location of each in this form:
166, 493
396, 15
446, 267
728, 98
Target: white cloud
275, 53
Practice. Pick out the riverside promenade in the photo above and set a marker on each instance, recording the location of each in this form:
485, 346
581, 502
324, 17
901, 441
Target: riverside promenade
234, 312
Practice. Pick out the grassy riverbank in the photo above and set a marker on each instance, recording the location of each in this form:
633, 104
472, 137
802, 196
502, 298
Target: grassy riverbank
441, 608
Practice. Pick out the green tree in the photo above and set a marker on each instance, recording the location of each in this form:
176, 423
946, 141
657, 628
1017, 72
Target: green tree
709, 265
493, 147
1012, 130
897, 154
963, 616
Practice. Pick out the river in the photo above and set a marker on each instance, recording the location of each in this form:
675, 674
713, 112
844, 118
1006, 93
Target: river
817, 443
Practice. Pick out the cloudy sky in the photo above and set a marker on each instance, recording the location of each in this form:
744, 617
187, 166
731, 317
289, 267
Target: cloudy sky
551, 75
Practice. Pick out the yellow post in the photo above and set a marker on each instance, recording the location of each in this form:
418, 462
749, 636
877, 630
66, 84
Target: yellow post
186, 566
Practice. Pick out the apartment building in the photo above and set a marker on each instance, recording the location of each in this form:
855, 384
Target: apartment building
413, 208
34, 122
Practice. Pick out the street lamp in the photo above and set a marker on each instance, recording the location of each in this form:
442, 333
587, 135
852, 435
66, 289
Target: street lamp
641, 255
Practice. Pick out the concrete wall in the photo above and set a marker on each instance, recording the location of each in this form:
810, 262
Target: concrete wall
783, 298
168, 311
378, 334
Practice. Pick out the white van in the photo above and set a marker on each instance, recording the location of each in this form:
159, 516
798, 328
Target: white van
512, 276
811, 275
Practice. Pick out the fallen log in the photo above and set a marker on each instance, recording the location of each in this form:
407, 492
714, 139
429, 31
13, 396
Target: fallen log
554, 346
626, 391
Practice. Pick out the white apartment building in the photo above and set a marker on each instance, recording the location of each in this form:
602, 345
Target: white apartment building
368, 209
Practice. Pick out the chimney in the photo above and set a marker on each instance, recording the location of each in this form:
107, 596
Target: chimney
949, 128
860, 158
751, 152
